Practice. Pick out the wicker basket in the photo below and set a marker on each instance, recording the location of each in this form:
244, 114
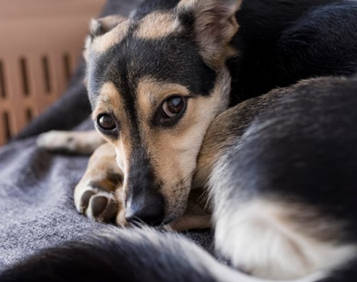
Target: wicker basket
41, 41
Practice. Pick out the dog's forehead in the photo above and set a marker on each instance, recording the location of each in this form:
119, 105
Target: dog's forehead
173, 59
154, 5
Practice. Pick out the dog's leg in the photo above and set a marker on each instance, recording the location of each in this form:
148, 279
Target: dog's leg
99, 193
77, 142
276, 189
196, 216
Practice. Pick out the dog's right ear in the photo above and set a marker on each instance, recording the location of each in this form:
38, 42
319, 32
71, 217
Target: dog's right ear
214, 23
100, 27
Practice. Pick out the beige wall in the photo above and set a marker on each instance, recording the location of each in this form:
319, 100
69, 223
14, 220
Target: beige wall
41, 41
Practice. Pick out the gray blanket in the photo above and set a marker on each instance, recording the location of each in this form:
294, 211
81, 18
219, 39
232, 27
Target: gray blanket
36, 187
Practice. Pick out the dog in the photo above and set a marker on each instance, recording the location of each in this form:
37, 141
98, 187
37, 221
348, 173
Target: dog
282, 186
178, 90
158, 79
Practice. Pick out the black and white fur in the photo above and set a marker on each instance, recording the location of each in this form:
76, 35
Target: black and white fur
283, 194
211, 54
283, 178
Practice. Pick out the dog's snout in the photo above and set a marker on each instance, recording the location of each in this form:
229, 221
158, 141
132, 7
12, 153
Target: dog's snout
148, 208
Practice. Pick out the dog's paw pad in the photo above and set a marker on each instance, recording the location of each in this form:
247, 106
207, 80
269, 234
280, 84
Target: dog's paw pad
98, 205
101, 208
84, 202
96, 202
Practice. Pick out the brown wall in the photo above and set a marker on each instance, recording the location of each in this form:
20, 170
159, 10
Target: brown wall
40, 43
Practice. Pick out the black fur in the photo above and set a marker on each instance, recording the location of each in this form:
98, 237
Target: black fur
310, 146
119, 255
148, 7
280, 42
173, 59
284, 41
302, 147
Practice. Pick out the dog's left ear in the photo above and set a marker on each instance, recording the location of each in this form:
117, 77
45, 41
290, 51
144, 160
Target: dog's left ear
215, 25
103, 25
100, 27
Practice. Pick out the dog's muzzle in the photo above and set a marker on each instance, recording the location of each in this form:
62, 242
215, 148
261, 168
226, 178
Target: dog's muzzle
147, 207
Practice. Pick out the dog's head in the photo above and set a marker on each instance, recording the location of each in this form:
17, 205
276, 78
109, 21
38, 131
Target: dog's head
155, 82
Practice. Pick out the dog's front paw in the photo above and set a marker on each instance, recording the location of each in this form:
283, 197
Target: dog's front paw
96, 202
99, 194
70, 142
55, 141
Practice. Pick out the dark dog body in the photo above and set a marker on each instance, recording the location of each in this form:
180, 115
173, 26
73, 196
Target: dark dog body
204, 56
281, 42
299, 147
280, 167
293, 167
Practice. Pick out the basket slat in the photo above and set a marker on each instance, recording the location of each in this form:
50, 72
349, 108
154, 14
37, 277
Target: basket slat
41, 43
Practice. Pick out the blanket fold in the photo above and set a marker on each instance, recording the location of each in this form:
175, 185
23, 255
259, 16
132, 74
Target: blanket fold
36, 187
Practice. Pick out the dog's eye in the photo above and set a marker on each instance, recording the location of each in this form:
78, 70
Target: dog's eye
173, 106
106, 122
170, 111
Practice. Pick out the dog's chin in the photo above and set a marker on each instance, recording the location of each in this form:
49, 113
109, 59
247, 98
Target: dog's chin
176, 200
175, 214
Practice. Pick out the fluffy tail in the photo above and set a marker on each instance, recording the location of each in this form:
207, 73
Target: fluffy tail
126, 255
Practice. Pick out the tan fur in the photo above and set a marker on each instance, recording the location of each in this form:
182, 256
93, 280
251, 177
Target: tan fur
103, 160
217, 138
85, 142
98, 28
154, 92
197, 214
157, 25
275, 243
307, 221
102, 43
193, 218
181, 143
214, 50
103, 25
215, 25
227, 129
103, 178
110, 101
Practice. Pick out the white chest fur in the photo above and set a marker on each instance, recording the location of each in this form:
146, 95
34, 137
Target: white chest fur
257, 239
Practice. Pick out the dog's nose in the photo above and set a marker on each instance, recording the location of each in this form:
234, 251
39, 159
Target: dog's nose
148, 208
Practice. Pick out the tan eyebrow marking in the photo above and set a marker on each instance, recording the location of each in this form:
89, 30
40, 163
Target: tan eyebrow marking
157, 25
152, 92
108, 100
